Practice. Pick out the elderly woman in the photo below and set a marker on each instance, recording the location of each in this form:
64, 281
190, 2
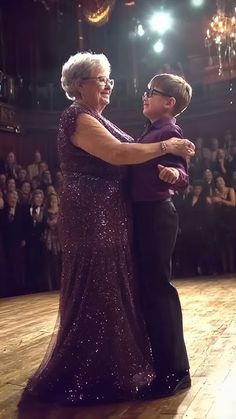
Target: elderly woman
101, 351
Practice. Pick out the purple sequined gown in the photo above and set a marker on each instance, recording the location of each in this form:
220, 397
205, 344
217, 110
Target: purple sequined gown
100, 351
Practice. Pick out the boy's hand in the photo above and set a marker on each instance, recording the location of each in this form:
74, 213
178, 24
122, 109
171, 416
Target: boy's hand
168, 174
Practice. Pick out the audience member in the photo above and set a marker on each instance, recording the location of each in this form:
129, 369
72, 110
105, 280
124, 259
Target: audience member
224, 208
228, 141
208, 183
193, 230
11, 166
221, 165
25, 193
52, 243
34, 168
13, 233
35, 256
214, 145
58, 181
21, 177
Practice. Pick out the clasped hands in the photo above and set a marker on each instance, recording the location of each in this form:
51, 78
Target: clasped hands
179, 147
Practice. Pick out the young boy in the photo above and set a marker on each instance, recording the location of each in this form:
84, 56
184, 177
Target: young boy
155, 231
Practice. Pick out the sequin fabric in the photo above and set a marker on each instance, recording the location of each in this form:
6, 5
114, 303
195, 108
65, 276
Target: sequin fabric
100, 351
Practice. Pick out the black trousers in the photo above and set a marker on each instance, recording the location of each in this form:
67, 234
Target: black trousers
155, 232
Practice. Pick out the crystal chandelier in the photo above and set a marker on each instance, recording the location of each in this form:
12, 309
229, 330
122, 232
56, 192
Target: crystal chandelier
221, 34
97, 12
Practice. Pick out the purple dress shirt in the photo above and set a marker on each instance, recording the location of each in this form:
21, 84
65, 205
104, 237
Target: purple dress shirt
145, 182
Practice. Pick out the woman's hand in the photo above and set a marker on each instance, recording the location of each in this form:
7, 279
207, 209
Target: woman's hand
180, 147
216, 200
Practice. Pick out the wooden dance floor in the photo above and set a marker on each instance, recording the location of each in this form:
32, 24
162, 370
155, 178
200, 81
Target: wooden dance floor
209, 309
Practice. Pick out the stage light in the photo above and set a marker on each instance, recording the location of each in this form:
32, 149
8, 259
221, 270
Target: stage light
161, 22
140, 30
197, 3
158, 46
129, 3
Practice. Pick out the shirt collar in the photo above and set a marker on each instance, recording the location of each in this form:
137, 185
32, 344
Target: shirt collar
164, 121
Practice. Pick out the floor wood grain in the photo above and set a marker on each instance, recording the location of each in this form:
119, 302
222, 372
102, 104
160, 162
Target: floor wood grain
209, 309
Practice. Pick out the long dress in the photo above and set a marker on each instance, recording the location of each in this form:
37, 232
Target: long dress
101, 351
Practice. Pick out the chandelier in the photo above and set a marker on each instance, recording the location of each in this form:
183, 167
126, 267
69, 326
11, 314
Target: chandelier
221, 34
97, 12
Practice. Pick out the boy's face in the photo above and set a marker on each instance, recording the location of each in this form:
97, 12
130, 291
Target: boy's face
157, 103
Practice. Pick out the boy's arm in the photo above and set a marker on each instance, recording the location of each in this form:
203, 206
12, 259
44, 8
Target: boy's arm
175, 176
168, 174
176, 162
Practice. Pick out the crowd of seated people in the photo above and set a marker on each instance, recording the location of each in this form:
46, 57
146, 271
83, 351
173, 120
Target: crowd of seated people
30, 250
206, 242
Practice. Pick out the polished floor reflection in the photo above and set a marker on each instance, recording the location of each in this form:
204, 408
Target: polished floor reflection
209, 309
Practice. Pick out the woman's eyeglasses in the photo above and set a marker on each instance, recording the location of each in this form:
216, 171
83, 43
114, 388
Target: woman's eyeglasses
152, 92
101, 80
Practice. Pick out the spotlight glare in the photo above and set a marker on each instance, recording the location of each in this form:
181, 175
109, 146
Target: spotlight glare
158, 46
140, 30
161, 22
197, 3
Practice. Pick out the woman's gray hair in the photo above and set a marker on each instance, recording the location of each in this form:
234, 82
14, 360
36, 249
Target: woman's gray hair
78, 67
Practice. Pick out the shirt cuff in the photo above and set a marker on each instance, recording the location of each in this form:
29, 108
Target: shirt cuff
183, 180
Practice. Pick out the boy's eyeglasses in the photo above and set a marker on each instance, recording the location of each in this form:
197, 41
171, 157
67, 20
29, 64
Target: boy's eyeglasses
101, 80
152, 92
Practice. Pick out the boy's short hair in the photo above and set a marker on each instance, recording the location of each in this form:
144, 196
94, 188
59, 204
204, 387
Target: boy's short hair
176, 87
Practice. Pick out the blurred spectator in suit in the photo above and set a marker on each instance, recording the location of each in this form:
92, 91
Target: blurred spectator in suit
43, 167
193, 230
2, 165
224, 202
11, 165
206, 161
58, 181
221, 166
21, 177
10, 186
3, 180
232, 163
36, 183
52, 243
14, 220
34, 168
35, 255
25, 193
46, 179
195, 166
214, 146
228, 142
208, 183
